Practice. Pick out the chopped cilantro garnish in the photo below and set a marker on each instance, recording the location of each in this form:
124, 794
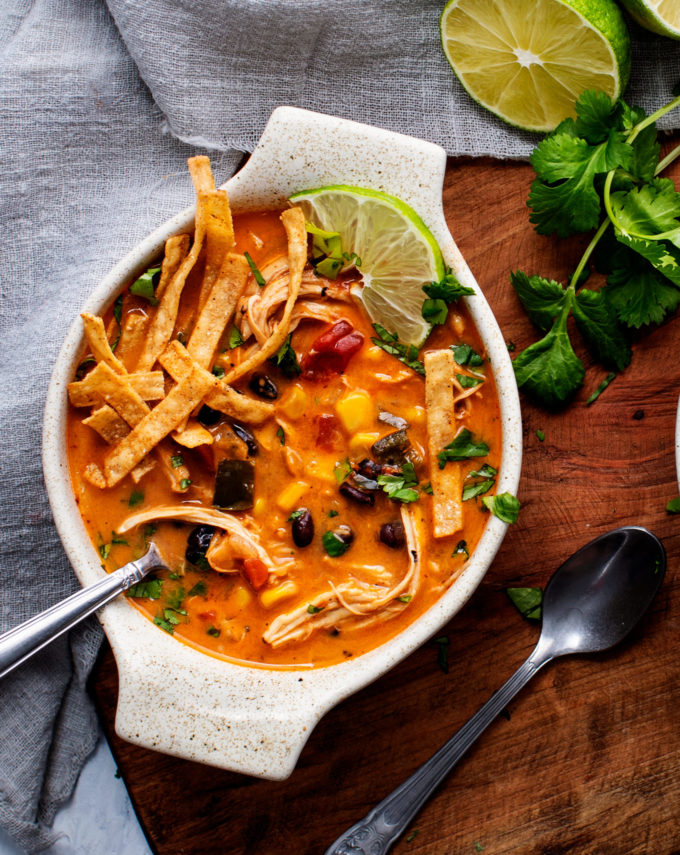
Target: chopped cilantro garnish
480, 482
406, 353
200, 589
104, 550
185, 483
211, 630
465, 355
527, 601
314, 610
136, 498
401, 487
149, 589
218, 371
259, 278
342, 470
176, 461
505, 506
235, 339
296, 515
334, 545
281, 435
440, 295
286, 359
461, 549
427, 488
118, 309
164, 624
463, 447
144, 286
467, 381
332, 513
405, 598
540, 434
600, 389
673, 507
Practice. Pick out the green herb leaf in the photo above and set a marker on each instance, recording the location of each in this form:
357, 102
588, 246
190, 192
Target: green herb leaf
104, 550
463, 447
185, 483
541, 435
218, 371
200, 589
332, 513
481, 481
281, 435
505, 506
405, 598
259, 278
176, 461
211, 630
427, 488
175, 599
334, 546
543, 299
435, 311
164, 624
389, 342
147, 589
448, 289
118, 309
144, 286
314, 610
600, 389
136, 498
673, 507
596, 321
461, 549
527, 601
342, 470
287, 360
402, 487
296, 515
467, 381
235, 339
465, 355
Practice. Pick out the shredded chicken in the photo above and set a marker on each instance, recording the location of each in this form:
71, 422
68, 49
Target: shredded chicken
351, 600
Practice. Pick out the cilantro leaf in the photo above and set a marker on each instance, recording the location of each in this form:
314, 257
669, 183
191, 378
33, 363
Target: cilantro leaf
639, 293
652, 208
549, 370
646, 150
235, 339
389, 342
435, 311
543, 299
505, 506
149, 588
465, 355
664, 257
596, 321
447, 289
596, 115
527, 601
463, 447
334, 545
259, 278
144, 286
286, 359
401, 487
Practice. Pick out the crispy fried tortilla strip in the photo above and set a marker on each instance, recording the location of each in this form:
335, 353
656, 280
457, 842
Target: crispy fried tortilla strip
95, 333
177, 362
294, 223
94, 475
201, 173
108, 424
447, 504
103, 385
132, 336
155, 426
193, 435
218, 309
142, 468
176, 249
163, 323
148, 385
219, 240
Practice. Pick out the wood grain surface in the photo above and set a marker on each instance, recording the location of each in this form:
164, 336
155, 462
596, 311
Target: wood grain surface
587, 758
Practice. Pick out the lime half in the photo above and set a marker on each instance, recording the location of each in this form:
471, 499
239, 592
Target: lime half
659, 16
397, 252
529, 62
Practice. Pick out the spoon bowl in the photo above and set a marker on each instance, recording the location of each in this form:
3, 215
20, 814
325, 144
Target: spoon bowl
591, 603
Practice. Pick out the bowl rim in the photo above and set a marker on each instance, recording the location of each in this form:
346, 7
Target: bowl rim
309, 693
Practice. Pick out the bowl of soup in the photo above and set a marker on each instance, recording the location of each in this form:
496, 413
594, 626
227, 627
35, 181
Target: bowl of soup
325, 495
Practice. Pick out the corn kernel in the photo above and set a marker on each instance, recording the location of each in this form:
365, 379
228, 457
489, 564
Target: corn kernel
259, 507
291, 495
271, 596
295, 403
321, 470
415, 415
360, 444
240, 598
356, 411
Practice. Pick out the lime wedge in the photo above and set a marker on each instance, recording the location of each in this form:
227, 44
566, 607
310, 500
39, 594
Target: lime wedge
659, 16
397, 252
528, 63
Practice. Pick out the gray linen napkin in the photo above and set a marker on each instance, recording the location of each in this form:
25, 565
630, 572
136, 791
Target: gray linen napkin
86, 170
217, 69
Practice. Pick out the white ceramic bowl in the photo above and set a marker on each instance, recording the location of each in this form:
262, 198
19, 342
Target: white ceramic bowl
173, 698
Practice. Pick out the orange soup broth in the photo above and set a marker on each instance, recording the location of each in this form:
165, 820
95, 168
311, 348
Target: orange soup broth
226, 602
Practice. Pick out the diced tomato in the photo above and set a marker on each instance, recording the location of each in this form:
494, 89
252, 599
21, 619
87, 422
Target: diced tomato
207, 615
328, 433
256, 572
331, 352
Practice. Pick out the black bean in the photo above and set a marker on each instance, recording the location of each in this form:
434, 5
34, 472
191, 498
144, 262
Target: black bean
344, 533
369, 468
198, 543
303, 528
264, 387
356, 495
207, 416
250, 441
392, 534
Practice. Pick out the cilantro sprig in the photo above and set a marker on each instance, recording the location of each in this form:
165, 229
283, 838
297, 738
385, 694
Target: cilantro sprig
600, 172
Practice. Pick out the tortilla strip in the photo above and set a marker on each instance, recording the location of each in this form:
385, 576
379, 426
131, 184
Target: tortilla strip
177, 362
193, 435
95, 333
163, 323
94, 475
447, 504
294, 223
176, 249
108, 424
141, 469
157, 424
102, 384
131, 338
218, 309
219, 240
201, 173
148, 385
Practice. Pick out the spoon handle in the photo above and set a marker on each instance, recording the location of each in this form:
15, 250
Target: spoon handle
379, 829
23, 641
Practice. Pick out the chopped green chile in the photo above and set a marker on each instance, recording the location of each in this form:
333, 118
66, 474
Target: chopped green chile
234, 485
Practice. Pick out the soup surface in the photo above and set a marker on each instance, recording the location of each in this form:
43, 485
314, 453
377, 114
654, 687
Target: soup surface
310, 518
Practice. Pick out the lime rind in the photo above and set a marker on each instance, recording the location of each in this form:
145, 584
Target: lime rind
398, 252
648, 17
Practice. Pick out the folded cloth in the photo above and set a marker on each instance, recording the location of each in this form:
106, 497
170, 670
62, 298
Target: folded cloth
86, 172
217, 68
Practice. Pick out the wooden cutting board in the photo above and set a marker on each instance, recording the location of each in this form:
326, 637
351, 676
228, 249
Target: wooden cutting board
587, 759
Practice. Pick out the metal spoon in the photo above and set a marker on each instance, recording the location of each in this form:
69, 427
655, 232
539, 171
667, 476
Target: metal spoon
23, 641
591, 603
